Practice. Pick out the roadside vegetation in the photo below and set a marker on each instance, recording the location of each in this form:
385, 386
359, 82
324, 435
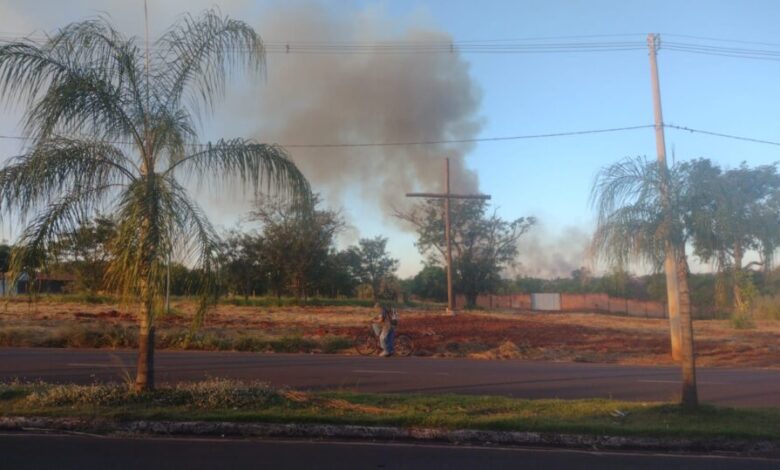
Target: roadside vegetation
228, 400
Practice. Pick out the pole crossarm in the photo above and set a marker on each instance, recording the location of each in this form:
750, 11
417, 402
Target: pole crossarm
448, 196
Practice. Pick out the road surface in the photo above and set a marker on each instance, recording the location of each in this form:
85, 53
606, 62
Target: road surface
24, 451
737, 387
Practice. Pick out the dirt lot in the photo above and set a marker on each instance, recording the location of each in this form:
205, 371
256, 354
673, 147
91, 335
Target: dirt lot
558, 337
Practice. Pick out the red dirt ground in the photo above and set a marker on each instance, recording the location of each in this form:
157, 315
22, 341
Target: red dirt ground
559, 337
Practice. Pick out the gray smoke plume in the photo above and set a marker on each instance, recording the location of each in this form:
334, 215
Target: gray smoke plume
546, 255
366, 97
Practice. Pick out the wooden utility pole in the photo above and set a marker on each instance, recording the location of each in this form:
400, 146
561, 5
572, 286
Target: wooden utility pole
670, 255
447, 196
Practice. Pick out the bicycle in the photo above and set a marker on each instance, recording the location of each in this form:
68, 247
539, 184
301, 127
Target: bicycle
368, 344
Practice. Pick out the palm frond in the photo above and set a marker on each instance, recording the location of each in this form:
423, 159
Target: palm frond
259, 167
81, 79
57, 167
199, 241
196, 54
633, 221
624, 182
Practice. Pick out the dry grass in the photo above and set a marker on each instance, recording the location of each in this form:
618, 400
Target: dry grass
485, 335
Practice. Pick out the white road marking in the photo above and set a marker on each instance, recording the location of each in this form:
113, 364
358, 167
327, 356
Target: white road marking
368, 371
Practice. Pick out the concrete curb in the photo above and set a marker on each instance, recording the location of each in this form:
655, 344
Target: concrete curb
386, 433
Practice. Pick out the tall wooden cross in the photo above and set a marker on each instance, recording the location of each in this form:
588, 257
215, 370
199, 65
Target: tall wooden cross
447, 196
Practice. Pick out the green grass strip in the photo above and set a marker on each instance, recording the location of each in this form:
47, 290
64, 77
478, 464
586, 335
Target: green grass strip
227, 400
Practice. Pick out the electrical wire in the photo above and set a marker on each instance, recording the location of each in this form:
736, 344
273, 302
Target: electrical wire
720, 134
486, 139
420, 142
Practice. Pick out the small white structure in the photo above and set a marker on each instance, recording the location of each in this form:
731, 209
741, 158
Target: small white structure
548, 302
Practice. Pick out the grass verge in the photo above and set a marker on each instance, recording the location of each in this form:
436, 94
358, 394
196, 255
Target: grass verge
226, 400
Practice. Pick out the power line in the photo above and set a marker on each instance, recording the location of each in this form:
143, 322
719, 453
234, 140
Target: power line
528, 45
720, 134
474, 140
420, 142
724, 40
491, 46
484, 139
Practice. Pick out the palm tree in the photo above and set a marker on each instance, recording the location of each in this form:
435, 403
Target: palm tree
112, 127
635, 223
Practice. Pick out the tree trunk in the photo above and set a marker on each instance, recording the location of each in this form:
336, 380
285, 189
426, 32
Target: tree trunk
144, 378
690, 396
737, 280
673, 298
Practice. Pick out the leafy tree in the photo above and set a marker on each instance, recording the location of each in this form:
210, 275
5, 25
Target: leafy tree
641, 214
112, 127
731, 213
338, 276
243, 270
297, 244
87, 252
483, 244
374, 264
430, 283
185, 281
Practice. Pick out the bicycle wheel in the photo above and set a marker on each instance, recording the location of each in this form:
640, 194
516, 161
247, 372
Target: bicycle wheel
366, 345
403, 346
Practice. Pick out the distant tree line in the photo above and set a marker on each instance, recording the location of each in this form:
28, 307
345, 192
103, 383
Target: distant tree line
294, 254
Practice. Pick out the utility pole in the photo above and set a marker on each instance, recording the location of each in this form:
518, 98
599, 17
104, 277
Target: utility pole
670, 255
447, 196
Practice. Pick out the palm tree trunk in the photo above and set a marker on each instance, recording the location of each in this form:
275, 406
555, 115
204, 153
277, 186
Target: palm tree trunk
673, 299
144, 378
690, 396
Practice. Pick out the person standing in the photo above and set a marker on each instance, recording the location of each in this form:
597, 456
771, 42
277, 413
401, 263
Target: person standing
384, 326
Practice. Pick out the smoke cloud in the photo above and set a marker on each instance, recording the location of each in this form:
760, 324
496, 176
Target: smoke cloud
366, 97
546, 255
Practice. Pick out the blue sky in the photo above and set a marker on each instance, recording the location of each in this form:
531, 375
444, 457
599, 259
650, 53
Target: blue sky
536, 94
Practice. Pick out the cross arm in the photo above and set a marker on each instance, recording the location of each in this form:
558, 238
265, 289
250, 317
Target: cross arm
448, 196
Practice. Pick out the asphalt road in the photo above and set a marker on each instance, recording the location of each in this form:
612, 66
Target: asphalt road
737, 387
35, 451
